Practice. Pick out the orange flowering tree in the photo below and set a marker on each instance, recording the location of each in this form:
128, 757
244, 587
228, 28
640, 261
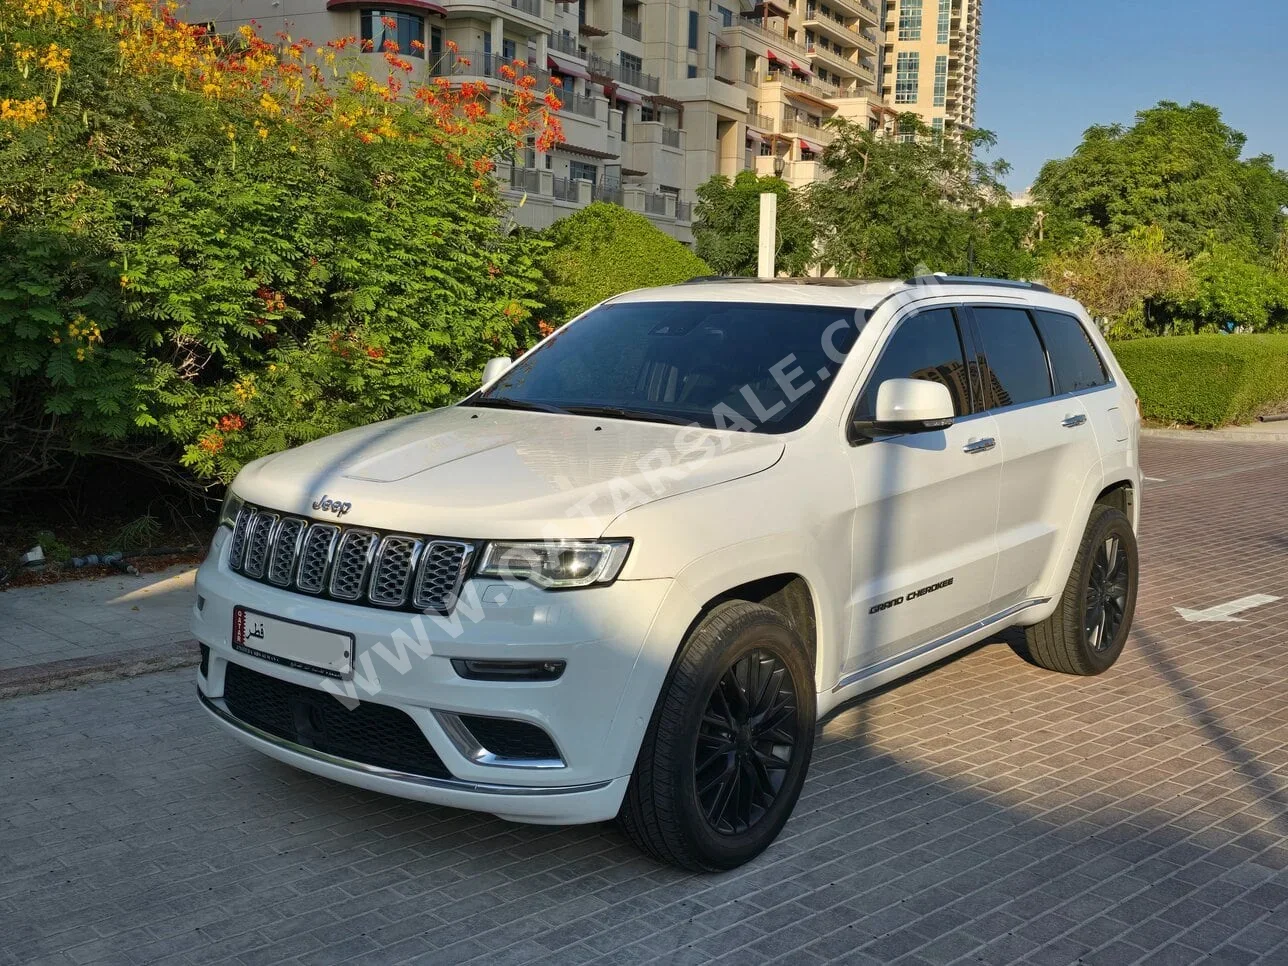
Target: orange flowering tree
218, 247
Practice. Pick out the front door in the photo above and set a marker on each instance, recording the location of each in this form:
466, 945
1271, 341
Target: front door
923, 535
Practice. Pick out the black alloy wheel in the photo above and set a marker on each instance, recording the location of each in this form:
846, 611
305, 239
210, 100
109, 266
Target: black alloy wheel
746, 741
1107, 593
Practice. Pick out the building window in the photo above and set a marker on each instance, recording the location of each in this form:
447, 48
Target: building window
941, 80
907, 130
693, 71
937, 130
726, 16
693, 30
580, 169
508, 49
906, 78
910, 20
945, 21
386, 28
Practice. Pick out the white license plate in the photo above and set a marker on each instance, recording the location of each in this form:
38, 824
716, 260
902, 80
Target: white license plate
292, 643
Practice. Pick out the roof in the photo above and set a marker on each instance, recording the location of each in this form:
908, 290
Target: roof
850, 293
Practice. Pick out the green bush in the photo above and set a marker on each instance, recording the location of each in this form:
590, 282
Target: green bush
604, 250
1207, 380
210, 254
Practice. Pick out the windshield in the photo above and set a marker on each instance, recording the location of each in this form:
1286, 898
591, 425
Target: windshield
723, 365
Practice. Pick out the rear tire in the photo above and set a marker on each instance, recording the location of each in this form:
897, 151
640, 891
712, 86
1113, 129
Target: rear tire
725, 755
1087, 632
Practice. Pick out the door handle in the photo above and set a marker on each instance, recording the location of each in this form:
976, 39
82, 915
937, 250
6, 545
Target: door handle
1072, 420
980, 445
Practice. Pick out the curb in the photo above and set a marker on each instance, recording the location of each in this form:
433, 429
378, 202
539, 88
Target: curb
73, 673
1216, 435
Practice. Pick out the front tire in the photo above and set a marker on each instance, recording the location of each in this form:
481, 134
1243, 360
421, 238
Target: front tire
1087, 632
725, 755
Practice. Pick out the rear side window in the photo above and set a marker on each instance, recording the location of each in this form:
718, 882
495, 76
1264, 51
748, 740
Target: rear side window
926, 346
1074, 360
1014, 363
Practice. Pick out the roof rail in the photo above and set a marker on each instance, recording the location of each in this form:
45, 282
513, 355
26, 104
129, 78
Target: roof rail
782, 280
975, 280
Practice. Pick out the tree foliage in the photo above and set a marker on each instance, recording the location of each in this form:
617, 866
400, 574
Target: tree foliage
726, 228
1119, 279
214, 253
891, 207
1177, 168
604, 250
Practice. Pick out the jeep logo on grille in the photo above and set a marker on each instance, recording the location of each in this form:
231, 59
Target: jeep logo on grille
328, 505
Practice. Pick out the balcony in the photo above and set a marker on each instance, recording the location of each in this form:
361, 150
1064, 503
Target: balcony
632, 28
834, 61
864, 9
815, 88
603, 67
566, 44
671, 137
835, 27
578, 104
476, 63
753, 78
752, 33
565, 189
760, 121
610, 191
683, 211
655, 203
526, 179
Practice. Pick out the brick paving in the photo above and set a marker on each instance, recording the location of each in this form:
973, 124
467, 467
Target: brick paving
984, 812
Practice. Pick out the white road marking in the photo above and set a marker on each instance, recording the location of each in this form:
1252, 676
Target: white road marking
1226, 612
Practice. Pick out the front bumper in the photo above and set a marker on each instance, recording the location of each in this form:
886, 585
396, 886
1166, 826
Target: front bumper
617, 643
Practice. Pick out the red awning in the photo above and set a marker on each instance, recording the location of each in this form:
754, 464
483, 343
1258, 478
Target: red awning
561, 66
755, 138
630, 97
771, 55
419, 5
798, 69
812, 148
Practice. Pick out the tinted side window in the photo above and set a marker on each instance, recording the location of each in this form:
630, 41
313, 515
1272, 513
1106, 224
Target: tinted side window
1014, 362
1074, 359
926, 346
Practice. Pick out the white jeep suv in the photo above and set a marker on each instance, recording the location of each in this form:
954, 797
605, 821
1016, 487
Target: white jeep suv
629, 575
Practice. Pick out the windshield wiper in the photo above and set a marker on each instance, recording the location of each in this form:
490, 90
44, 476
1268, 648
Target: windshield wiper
642, 415
501, 402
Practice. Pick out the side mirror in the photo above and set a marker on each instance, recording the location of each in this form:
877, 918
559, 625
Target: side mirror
495, 369
908, 406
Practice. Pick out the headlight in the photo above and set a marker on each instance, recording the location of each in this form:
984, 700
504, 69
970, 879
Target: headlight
228, 512
564, 563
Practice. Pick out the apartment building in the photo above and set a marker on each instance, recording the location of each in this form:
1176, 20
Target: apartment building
930, 65
658, 94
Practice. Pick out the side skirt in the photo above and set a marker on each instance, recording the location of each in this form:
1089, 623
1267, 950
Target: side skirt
876, 675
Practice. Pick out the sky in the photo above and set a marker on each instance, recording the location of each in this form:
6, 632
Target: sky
1049, 69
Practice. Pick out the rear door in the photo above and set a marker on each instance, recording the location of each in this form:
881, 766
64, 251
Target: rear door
1047, 443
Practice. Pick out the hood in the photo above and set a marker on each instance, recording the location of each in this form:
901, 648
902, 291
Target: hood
494, 474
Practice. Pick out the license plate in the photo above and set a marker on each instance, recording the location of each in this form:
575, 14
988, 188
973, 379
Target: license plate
295, 644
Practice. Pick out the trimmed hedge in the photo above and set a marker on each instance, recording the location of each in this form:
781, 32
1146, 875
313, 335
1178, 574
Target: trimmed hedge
1207, 380
604, 250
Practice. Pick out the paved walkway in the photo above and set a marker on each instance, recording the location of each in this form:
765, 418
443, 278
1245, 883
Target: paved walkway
984, 812
72, 630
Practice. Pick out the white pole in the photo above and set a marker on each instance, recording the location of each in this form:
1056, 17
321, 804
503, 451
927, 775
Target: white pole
768, 233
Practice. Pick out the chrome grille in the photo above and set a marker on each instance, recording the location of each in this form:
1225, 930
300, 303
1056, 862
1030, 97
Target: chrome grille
240, 529
442, 566
257, 545
352, 560
315, 554
351, 564
394, 564
285, 546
